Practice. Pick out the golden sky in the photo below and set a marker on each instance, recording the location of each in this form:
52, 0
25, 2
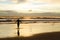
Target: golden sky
34, 5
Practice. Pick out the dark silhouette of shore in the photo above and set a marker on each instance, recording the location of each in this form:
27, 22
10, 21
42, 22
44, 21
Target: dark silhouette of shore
41, 36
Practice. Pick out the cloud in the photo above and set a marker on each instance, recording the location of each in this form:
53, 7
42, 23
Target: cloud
3, 0
35, 6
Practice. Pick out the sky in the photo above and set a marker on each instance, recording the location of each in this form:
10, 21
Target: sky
24, 6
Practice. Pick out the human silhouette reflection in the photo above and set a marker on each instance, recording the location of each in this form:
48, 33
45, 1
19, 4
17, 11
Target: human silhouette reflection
18, 24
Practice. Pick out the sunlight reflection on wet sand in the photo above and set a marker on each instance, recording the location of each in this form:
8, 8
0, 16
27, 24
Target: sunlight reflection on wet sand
31, 29
7, 30
10, 30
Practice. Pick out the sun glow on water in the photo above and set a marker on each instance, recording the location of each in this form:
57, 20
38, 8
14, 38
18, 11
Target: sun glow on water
27, 30
31, 29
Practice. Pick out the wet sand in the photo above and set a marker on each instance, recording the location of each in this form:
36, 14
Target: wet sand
41, 36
